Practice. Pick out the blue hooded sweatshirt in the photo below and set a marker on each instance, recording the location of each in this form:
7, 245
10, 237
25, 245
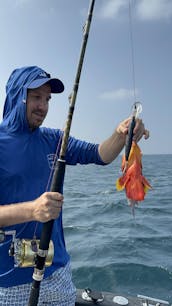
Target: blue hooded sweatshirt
25, 166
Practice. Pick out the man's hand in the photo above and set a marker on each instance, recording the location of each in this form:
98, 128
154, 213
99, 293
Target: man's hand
47, 207
139, 130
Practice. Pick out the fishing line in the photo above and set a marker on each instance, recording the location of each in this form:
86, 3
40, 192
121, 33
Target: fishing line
55, 158
137, 107
132, 49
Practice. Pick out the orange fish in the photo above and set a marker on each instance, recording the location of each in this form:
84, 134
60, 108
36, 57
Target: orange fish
135, 184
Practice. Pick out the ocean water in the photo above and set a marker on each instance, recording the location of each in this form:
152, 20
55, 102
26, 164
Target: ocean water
110, 249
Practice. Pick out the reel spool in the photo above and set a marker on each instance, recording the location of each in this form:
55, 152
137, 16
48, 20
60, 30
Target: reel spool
25, 251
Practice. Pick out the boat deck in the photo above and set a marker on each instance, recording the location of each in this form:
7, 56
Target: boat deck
92, 298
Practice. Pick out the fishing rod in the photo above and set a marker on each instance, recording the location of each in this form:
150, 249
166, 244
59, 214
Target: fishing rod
59, 172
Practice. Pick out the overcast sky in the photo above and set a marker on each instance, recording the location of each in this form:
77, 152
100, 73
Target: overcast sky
48, 33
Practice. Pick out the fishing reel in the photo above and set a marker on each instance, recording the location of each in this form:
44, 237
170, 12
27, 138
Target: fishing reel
25, 251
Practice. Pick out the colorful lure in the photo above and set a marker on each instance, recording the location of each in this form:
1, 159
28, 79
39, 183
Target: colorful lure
135, 184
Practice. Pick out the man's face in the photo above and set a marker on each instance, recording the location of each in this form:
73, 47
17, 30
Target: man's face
37, 104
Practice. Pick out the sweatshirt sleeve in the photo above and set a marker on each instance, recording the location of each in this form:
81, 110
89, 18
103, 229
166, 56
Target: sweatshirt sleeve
82, 152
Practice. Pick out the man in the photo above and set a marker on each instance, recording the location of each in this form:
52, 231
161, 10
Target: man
25, 202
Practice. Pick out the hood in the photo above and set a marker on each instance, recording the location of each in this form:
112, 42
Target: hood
14, 113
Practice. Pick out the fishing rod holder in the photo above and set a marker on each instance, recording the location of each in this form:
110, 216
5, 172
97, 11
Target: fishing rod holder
25, 251
148, 301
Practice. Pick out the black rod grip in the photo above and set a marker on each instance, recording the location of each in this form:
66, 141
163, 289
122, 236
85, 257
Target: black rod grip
129, 138
58, 176
34, 294
57, 186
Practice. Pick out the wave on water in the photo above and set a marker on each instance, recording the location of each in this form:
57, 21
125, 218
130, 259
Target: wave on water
110, 249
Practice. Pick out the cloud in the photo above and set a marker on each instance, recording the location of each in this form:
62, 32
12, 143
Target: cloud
119, 94
20, 2
111, 8
154, 9
145, 9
